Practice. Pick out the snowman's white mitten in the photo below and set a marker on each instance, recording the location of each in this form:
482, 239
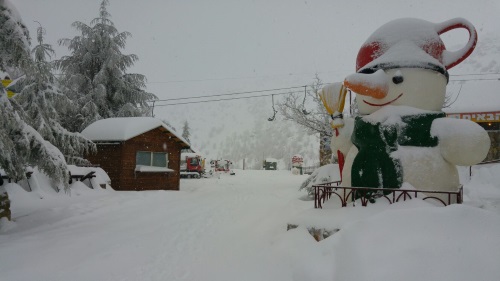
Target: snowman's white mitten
461, 142
343, 142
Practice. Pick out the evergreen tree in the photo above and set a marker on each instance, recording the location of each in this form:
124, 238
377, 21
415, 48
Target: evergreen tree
14, 38
185, 132
94, 75
20, 144
40, 97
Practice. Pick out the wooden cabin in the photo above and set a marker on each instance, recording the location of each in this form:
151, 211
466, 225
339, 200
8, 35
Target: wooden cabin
138, 153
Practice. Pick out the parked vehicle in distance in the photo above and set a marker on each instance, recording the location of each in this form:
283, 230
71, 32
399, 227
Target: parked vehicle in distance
192, 165
221, 166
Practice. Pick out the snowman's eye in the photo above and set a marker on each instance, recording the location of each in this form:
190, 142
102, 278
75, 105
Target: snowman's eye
398, 79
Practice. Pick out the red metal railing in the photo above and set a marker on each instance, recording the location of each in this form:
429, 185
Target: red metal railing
323, 192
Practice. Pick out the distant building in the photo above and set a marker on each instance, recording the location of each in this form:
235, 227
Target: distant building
138, 153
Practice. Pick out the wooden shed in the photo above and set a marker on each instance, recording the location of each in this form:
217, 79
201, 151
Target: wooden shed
138, 153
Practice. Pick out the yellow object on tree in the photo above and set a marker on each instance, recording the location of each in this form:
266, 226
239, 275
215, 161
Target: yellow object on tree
6, 83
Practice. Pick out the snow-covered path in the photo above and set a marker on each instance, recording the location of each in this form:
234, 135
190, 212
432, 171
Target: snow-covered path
213, 229
234, 228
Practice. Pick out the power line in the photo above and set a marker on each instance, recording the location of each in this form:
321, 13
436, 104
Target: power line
232, 94
278, 75
291, 74
459, 91
283, 93
477, 79
239, 93
238, 78
237, 98
280, 89
303, 86
476, 74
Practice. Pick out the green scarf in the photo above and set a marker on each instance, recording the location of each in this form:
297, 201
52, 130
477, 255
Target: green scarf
373, 166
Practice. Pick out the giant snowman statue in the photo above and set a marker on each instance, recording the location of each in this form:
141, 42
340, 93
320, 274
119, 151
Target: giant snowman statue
401, 134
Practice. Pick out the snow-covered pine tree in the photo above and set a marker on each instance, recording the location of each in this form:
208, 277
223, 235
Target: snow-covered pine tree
14, 37
95, 75
20, 144
42, 101
185, 132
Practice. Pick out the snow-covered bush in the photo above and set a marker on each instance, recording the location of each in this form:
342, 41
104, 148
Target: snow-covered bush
323, 174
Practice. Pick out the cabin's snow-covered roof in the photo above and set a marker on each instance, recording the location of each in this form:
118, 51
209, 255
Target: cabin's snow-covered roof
124, 128
271, 160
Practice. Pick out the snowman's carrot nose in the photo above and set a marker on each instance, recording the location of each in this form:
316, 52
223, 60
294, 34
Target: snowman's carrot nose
374, 85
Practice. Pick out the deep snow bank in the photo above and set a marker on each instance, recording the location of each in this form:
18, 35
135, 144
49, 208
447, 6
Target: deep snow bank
411, 240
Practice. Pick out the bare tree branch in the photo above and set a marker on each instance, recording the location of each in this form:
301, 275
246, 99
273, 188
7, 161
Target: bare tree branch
315, 118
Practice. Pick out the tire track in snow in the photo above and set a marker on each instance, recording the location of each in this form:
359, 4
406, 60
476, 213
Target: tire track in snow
199, 221
213, 218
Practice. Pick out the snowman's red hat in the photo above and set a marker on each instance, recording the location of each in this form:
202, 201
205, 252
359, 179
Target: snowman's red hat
413, 43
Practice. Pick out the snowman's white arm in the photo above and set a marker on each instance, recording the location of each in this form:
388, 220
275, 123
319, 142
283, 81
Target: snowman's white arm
461, 142
343, 142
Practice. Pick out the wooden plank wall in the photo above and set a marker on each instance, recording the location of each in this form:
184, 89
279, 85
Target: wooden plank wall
119, 162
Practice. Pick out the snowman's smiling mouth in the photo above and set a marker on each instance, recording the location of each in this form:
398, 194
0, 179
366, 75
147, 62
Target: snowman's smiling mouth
382, 104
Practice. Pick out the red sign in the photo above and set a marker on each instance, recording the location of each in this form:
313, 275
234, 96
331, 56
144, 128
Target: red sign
297, 159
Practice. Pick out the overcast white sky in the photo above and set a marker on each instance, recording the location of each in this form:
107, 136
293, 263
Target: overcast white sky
199, 47
247, 45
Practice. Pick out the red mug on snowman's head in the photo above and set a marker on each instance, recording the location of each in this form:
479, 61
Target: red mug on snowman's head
413, 43
398, 63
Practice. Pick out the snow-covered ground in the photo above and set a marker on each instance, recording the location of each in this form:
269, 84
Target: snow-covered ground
234, 228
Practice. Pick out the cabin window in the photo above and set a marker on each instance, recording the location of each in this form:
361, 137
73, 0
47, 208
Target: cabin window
156, 159
159, 159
